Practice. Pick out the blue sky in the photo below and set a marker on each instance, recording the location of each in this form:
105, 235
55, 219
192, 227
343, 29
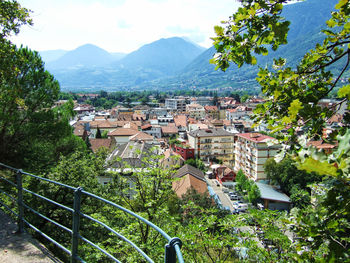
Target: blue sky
120, 25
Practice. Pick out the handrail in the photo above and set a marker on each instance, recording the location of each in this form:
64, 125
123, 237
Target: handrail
172, 247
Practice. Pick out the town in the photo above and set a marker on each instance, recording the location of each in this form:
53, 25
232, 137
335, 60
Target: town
184, 129
130, 141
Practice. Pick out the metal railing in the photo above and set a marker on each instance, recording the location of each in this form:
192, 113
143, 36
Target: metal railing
172, 247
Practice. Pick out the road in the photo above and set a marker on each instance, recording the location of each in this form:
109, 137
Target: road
225, 200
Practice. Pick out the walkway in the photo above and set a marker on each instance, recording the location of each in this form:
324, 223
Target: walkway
20, 248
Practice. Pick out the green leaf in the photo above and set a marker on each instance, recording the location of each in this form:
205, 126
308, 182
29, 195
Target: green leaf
254, 61
219, 30
331, 23
341, 3
323, 168
347, 26
344, 92
294, 108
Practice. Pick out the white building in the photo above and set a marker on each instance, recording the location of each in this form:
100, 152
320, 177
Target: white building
175, 104
238, 113
251, 151
195, 111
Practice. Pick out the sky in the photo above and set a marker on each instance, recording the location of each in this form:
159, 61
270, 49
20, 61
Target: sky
120, 25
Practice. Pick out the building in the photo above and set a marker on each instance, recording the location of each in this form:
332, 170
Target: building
251, 152
165, 120
144, 137
130, 154
197, 126
175, 104
170, 130
181, 124
189, 178
273, 199
204, 101
196, 111
153, 130
103, 125
122, 135
211, 144
185, 151
171, 159
224, 174
84, 109
80, 131
328, 148
238, 113
212, 112
96, 144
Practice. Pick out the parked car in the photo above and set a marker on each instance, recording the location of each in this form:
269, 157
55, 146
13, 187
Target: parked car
236, 204
225, 190
234, 197
260, 206
242, 207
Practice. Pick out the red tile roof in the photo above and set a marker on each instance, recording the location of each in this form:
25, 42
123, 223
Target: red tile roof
170, 130
79, 130
102, 124
146, 126
123, 132
180, 120
98, 143
255, 137
322, 145
210, 108
187, 182
130, 125
141, 136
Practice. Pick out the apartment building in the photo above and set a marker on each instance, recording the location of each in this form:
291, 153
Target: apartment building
212, 144
176, 104
212, 112
238, 113
251, 151
196, 111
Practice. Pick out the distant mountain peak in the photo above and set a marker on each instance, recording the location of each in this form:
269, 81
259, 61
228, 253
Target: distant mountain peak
166, 55
86, 56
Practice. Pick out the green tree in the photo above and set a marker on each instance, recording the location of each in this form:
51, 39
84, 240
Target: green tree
292, 181
292, 96
98, 133
14, 16
198, 163
254, 194
32, 133
104, 135
87, 142
146, 192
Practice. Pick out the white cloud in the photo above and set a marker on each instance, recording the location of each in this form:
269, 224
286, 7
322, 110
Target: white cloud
120, 25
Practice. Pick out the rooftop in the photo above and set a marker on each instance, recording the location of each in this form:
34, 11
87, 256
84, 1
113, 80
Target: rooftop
98, 143
189, 169
255, 137
210, 133
123, 132
269, 193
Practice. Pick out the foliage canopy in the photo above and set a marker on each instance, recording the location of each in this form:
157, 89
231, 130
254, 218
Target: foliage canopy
292, 103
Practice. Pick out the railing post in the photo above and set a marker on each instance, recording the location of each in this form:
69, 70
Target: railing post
20, 223
170, 253
76, 223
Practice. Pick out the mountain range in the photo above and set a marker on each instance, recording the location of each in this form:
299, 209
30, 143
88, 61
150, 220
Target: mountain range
177, 63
